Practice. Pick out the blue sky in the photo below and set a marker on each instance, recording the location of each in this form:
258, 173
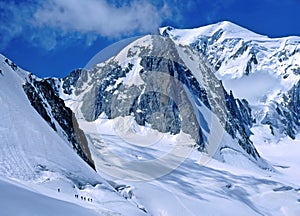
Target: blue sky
54, 37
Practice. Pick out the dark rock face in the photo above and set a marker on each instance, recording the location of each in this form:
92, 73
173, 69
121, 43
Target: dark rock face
239, 121
252, 61
104, 97
38, 104
158, 110
217, 35
11, 64
162, 103
71, 80
284, 118
177, 70
177, 102
296, 71
165, 32
165, 105
238, 112
293, 103
53, 110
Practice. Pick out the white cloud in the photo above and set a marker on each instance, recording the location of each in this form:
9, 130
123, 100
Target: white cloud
45, 23
98, 16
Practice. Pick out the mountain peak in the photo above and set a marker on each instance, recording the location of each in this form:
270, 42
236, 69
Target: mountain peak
224, 29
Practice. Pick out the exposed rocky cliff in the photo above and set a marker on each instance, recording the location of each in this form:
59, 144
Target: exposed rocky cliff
61, 118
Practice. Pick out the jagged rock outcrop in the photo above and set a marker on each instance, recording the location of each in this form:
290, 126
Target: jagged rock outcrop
71, 80
43, 98
284, 118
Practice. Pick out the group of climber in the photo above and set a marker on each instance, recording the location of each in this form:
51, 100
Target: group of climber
84, 198
81, 197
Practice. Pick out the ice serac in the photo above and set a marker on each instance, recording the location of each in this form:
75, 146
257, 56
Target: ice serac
243, 58
169, 87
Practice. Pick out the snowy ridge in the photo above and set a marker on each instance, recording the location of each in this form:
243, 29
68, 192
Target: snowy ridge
230, 30
225, 43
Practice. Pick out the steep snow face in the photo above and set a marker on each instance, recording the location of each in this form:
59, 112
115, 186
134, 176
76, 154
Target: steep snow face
40, 160
260, 69
26, 137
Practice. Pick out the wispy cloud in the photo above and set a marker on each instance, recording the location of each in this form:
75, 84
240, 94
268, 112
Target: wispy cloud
44, 23
99, 16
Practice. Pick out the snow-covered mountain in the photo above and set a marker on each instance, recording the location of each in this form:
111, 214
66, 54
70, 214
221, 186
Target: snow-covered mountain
264, 71
170, 88
179, 124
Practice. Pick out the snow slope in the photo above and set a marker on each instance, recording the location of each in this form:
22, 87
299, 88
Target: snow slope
197, 185
34, 155
17, 200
